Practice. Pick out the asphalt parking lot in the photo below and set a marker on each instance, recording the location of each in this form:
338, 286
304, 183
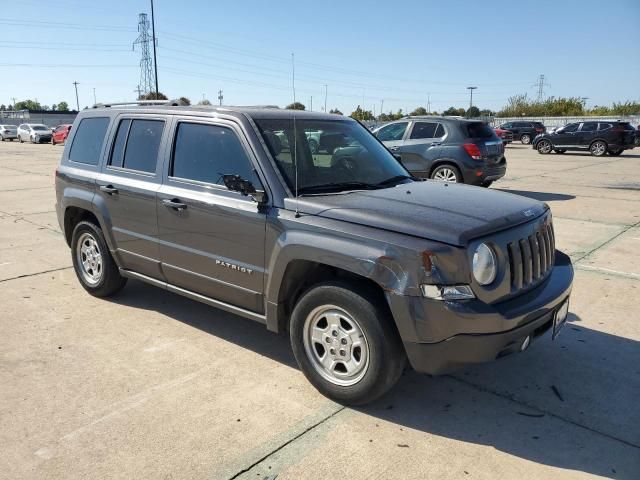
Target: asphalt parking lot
153, 385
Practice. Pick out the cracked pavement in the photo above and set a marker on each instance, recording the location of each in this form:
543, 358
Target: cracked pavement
153, 385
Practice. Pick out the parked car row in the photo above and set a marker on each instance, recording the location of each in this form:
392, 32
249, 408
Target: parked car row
35, 133
524, 132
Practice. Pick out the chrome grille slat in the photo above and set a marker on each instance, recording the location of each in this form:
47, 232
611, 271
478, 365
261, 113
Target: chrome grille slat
525, 248
535, 256
543, 252
515, 260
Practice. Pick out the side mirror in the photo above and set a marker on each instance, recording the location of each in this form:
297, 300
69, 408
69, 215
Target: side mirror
238, 184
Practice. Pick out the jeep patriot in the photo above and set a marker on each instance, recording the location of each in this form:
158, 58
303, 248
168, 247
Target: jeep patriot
364, 266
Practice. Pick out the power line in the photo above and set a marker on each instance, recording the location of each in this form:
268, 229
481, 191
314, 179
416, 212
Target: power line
540, 84
147, 78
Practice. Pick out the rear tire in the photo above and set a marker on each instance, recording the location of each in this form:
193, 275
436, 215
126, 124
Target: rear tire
544, 147
92, 261
345, 343
525, 139
446, 173
598, 148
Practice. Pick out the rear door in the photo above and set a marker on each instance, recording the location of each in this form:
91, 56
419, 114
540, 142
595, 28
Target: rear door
211, 238
421, 147
127, 187
586, 134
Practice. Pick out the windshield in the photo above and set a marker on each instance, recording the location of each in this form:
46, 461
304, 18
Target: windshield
39, 127
332, 155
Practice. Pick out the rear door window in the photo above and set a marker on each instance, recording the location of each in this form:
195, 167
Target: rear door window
589, 127
392, 132
604, 126
88, 140
136, 145
423, 130
206, 152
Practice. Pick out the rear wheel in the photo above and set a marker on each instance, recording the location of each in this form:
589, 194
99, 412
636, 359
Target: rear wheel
446, 173
598, 148
525, 138
615, 153
345, 343
92, 261
486, 183
20, 139
544, 147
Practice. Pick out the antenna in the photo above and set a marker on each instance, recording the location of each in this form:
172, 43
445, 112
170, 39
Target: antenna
295, 130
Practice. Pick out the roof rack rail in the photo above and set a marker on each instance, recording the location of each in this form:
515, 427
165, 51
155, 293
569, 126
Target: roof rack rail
135, 102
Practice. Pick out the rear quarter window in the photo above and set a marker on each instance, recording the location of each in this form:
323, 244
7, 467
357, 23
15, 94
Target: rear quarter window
88, 140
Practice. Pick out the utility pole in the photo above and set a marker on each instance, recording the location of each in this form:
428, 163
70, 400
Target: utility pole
95, 102
155, 61
428, 103
471, 89
220, 97
381, 105
14, 103
75, 84
311, 103
139, 90
325, 98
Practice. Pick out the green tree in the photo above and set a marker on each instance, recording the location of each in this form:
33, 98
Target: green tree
28, 105
153, 96
419, 111
360, 114
336, 111
453, 111
184, 101
63, 107
296, 106
472, 112
485, 112
3, 107
204, 101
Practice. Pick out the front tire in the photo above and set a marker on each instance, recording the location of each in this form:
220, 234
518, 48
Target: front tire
598, 148
446, 173
92, 261
525, 139
345, 343
544, 147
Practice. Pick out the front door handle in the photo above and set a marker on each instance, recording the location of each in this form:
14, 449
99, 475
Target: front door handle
108, 189
394, 149
174, 203
435, 144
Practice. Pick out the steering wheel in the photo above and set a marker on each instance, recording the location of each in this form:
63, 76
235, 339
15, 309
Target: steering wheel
346, 166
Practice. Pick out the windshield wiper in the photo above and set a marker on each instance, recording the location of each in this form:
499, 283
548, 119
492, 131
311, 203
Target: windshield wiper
337, 187
396, 179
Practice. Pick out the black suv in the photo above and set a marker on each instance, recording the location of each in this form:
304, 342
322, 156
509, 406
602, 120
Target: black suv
599, 138
363, 266
524, 131
446, 149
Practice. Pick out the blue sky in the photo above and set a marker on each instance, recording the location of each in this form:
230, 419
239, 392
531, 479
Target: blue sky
398, 53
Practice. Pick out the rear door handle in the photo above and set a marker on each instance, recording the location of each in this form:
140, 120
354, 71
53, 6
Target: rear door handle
174, 203
108, 189
436, 144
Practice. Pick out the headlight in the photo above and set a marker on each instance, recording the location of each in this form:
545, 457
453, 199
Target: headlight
484, 264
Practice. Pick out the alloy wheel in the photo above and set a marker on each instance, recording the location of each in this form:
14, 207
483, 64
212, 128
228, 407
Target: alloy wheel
445, 174
336, 345
89, 259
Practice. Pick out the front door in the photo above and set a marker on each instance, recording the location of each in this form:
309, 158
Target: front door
391, 135
127, 187
587, 134
211, 238
566, 136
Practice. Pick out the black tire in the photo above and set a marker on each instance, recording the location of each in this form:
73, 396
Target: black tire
440, 170
386, 356
544, 147
560, 150
110, 281
20, 139
486, 184
11, 139
3, 139
525, 138
53, 142
616, 153
598, 148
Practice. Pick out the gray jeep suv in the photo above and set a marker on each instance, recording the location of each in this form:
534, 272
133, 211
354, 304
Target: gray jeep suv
446, 148
363, 265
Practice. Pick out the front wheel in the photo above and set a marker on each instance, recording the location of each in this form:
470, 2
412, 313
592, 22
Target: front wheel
446, 173
92, 261
598, 148
544, 147
525, 138
615, 153
345, 343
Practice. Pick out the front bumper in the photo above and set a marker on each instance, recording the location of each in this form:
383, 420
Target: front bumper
440, 337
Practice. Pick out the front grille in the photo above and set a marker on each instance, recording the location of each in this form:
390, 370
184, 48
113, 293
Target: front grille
531, 258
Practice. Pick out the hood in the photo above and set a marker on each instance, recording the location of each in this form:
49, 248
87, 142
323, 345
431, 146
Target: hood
449, 213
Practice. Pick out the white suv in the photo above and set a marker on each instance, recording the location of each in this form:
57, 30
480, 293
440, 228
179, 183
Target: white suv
34, 133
